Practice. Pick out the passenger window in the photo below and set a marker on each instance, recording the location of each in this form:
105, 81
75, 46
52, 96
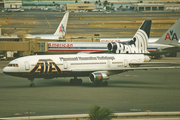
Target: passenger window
13, 65
10, 65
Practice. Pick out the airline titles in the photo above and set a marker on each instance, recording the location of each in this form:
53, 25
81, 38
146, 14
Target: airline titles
60, 45
86, 58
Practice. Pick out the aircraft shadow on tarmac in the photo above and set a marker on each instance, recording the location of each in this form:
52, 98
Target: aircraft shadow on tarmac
39, 83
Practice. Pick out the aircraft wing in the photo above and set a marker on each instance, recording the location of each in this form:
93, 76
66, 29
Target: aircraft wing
154, 63
125, 69
173, 49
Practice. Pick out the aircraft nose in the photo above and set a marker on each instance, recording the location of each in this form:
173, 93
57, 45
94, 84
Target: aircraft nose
5, 71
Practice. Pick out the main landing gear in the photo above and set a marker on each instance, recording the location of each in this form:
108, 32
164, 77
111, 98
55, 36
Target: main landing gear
105, 83
32, 82
76, 81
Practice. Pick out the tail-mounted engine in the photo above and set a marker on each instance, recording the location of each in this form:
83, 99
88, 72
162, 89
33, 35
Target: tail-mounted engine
147, 58
121, 47
131, 46
98, 77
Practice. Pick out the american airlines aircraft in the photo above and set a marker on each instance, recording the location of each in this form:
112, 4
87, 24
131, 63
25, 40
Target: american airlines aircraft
60, 32
97, 66
167, 43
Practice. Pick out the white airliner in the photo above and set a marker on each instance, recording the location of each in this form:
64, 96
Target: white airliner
60, 32
167, 43
97, 66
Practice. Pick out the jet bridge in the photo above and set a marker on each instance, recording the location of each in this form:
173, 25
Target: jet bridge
24, 48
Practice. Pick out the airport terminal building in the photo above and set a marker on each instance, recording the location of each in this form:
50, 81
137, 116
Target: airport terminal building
12, 4
156, 7
78, 7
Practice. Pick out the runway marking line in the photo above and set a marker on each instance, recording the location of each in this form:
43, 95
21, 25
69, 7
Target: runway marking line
45, 32
46, 20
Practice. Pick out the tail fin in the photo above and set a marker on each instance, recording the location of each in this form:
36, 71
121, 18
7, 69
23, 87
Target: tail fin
138, 44
142, 36
171, 36
61, 30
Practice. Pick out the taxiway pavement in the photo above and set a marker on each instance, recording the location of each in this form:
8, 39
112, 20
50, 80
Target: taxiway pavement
135, 91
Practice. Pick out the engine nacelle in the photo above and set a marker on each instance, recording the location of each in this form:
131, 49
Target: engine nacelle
112, 46
147, 58
97, 77
136, 45
123, 47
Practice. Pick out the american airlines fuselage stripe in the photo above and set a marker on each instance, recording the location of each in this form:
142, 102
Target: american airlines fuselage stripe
87, 46
66, 46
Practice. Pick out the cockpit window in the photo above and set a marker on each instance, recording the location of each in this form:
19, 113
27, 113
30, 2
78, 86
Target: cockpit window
13, 65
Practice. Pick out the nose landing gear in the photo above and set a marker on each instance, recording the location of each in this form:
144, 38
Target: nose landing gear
32, 82
76, 81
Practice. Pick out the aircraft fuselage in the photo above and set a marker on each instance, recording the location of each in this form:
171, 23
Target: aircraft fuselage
51, 66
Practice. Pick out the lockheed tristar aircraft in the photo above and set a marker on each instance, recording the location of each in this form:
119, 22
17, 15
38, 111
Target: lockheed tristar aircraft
97, 66
60, 32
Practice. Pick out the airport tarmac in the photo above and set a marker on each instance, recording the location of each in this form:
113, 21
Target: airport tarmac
135, 91
86, 24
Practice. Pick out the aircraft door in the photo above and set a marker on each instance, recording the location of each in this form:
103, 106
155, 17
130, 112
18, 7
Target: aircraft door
125, 62
27, 65
109, 63
65, 65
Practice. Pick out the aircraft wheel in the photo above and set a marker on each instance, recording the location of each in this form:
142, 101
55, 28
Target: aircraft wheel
97, 84
105, 83
79, 81
32, 85
76, 81
72, 81
101, 84
32, 82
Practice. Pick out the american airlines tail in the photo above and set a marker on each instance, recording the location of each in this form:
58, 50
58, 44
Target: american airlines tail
171, 36
61, 30
138, 44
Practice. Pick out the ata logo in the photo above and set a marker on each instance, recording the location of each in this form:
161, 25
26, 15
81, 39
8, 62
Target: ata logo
171, 36
45, 66
62, 28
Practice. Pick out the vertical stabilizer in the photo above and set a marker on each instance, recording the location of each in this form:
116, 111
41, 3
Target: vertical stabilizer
61, 30
138, 44
171, 36
142, 36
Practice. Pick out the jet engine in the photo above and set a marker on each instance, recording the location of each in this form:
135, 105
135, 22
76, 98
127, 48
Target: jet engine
117, 47
97, 77
147, 58
122, 47
112, 46
136, 45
